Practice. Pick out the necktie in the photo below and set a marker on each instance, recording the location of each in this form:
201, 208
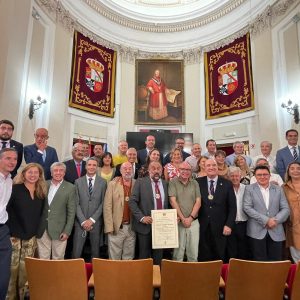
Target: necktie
90, 186
44, 155
295, 154
211, 188
4, 145
78, 170
158, 196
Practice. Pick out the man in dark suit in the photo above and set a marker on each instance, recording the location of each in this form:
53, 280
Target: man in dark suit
90, 191
75, 167
149, 193
289, 153
6, 132
179, 143
40, 152
217, 213
131, 156
58, 215
267, 210
143, 153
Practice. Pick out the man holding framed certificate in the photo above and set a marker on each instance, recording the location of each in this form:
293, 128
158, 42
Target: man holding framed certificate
149, 193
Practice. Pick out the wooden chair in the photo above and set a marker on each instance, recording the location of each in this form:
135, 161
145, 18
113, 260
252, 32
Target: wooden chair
253, 280
295, 294
56, 279
190, 280
123, 279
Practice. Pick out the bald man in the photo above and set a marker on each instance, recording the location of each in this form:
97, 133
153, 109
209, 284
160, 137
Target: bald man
40, 152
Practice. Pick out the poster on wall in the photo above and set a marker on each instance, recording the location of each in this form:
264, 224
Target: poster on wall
93, 77
159, 92
228, 79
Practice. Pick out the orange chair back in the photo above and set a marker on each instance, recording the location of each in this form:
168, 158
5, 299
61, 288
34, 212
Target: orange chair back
123, 279
56, 279
250, 280
190, 280
295, 294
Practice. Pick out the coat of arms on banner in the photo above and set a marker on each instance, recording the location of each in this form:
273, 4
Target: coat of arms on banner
94, 75
228, 78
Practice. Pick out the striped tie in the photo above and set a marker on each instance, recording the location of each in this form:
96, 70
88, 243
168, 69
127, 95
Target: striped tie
90, 186
295, 154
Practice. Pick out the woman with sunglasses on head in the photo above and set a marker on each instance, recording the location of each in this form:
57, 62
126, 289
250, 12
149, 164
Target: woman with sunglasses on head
24, 213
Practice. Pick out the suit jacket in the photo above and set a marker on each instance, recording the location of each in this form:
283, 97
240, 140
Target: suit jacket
136, 173
89, 206
259, 214
71, 171
19, 148
114, 206
31, 154
141, 203
221, 210
283, 158
142, 156
58, 217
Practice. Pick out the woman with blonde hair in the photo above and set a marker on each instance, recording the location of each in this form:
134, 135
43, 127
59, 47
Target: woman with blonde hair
24, 209
240, 161
291, 189
171, 170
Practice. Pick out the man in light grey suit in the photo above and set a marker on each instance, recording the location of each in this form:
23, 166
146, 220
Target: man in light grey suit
90, 191
267, 209
58, 215
289, 153
149, 193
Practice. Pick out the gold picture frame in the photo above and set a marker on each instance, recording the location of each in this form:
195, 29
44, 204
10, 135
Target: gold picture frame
159, 98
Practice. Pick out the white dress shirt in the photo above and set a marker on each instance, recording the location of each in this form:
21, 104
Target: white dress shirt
266, 194
239, 194
52, 191
5, 193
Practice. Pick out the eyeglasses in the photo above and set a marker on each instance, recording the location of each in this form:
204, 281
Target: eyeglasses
262, 175
185, 170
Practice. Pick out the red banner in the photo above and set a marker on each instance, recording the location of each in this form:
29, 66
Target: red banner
228, 79
93, 77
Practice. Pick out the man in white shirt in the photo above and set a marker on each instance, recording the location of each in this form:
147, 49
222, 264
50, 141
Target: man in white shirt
193, 159
237, 244
274, 178
211, 147
267, 209
8, 162
266, 149
58, 216
238, 148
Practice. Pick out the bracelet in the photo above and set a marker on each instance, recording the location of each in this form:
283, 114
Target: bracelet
193, 217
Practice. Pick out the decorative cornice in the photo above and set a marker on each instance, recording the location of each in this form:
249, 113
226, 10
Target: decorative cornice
165, 27
262, 21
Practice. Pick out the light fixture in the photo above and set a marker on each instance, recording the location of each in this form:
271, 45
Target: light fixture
292, 109
35, 105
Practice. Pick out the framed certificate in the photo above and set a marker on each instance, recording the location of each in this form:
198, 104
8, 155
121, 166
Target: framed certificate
164, 228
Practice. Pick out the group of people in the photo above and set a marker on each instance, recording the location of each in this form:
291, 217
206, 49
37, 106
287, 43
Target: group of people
227, 206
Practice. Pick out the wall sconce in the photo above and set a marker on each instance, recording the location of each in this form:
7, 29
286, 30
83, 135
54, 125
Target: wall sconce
35, 105
292, 109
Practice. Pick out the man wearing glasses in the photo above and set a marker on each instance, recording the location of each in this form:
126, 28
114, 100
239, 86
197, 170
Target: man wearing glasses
40, 152
184, 195
267, 209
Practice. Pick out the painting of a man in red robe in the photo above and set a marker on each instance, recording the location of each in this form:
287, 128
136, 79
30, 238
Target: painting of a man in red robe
157, 99
159, 92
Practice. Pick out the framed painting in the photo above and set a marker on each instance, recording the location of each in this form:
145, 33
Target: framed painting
159, 96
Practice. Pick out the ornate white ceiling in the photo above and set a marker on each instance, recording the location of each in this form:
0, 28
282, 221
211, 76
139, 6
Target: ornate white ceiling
128, 25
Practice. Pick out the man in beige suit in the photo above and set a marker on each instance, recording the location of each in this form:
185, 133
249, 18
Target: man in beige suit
117, 215
58, 215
